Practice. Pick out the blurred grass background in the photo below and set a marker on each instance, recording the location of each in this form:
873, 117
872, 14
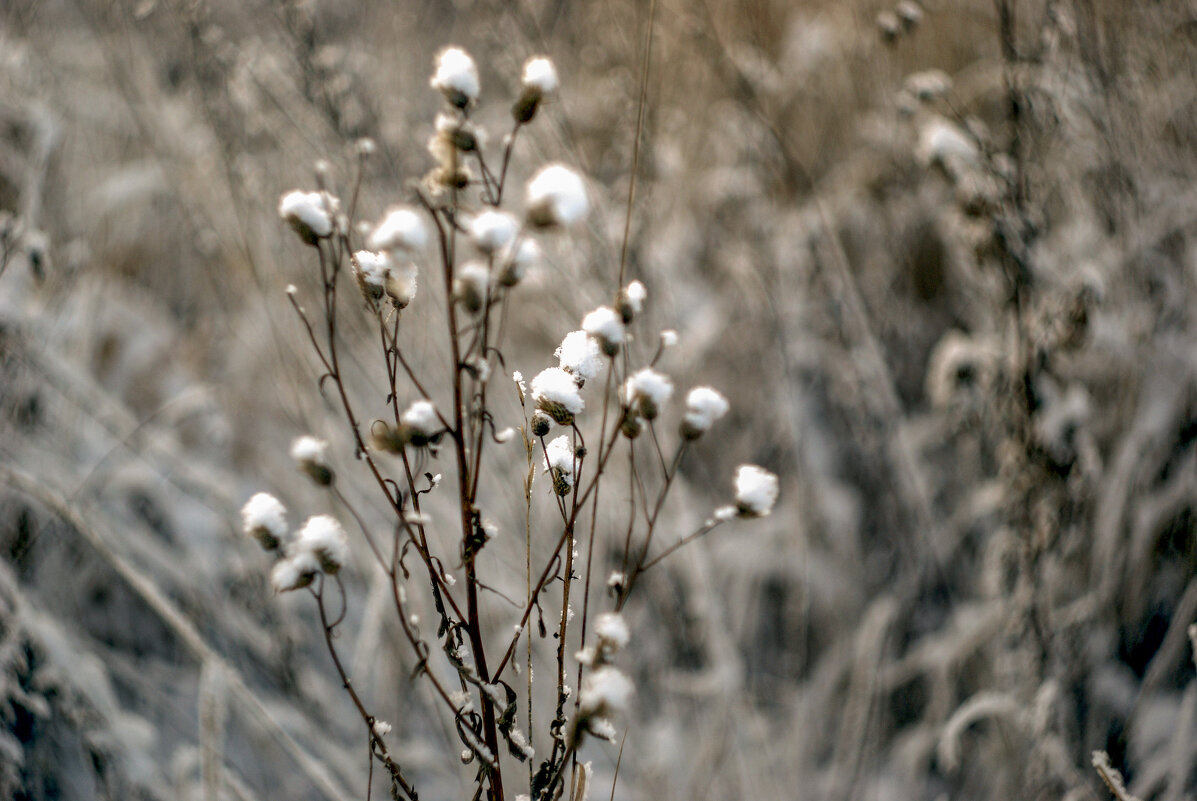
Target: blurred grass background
955, 599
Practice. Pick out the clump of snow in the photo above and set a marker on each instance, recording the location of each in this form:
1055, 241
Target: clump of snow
556, 195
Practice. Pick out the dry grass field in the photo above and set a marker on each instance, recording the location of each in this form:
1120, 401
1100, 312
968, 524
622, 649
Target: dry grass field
942, 264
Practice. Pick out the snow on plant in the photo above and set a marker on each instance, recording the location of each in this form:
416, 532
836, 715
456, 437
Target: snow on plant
600, 397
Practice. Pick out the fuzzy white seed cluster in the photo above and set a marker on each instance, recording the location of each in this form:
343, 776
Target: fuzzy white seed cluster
556, 394
539, 81
579, 356
310, 214
605, 691
422, 417
559, 462
646, 391
493, 231
310, 454
704, 406
556, 196
456, 77
606, 326
400, 232
756, 491
265, 519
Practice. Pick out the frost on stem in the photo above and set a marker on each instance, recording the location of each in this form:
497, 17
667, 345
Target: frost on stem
324, 538
456, 77
646, 391
559, 459
309, 453
308, 214
704, 406
606, 326
579, 355
556, 394
538, 82
556, 196
756, 491
401, 232
493, 231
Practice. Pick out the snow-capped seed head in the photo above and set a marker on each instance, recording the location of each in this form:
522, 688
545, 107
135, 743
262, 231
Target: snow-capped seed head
470, 285
540, 75
522, 256
704, 406
294, 572
556, 196
612, 634
456, 77
579, 355
371, 270
559, 460
381, 728
265, 519
457, 133
539, 80
541, 423
616, 582
422, 422
521, 386
605, 691
308, 213
401, 230
668, 338
910, 13
647, 390
606, 326
631, 301
323, 536
402, 283
493, 231
310, 454
756, 490
556, 394
631, 425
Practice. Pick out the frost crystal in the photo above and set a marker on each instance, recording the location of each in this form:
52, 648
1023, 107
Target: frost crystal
605, 691
556, 394
492, 231
756, 490
323, 536
540, 75
295, 572
265, 519
456, 77
401, 230
605, 325
579, 355
556, 196
422, 418
647, 390
704, 406
308, 214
